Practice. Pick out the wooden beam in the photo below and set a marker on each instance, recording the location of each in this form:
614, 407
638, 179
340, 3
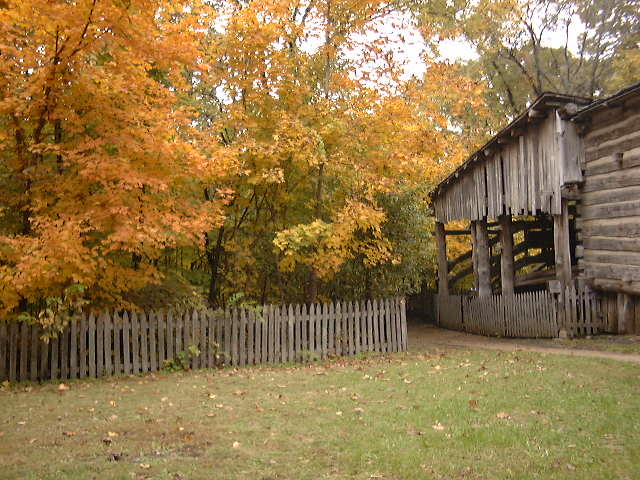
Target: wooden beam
507, 272
536, 114
615, 286
561, 245
483, 263
443, 270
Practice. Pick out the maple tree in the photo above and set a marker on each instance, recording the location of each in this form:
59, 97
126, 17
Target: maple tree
276, 147
317, 133
100, 166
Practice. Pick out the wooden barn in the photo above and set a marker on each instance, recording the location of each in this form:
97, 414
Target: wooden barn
552, 208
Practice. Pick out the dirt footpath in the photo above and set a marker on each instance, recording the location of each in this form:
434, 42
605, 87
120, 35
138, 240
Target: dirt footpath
424, 336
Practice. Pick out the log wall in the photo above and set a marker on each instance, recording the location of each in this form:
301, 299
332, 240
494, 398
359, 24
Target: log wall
610, 198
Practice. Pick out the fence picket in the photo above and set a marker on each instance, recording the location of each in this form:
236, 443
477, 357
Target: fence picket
126, 343
82, 357
290, 334
117, 344
91, 346
339, 334
33, 362
395, 325
331, 329
99, 346
211, 338
263, 336
144, 337
374, 321
170, 334
271, 332
242, 338
277, 325
108, 350
4, 347
312, 331
55, 366
135, 342
24, 342
73, 350
153, 341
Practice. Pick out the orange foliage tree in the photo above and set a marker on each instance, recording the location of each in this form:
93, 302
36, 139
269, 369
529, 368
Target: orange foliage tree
100, 166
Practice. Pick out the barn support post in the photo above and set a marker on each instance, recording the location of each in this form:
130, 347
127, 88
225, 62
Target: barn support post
441, 241
474, 253
561, 245
483, 259
562, 251
507, 271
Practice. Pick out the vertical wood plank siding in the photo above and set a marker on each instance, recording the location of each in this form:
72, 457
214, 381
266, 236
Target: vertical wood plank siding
530, 169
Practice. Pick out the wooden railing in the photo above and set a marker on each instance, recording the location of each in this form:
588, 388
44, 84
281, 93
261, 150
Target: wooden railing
130, 342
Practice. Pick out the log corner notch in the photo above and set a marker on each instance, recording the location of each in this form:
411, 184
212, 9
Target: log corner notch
443, 270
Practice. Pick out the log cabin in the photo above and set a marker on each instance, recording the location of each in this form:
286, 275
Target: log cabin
553, 210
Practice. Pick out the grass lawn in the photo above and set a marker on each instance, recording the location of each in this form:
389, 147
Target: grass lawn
605, 343
429, 415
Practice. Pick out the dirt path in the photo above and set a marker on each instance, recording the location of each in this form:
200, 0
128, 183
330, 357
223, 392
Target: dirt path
423, 336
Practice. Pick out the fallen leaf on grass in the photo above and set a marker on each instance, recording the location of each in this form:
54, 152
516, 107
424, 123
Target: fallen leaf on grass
412, 431
22, 422
339, 413
473, 403
112, 434
145, 465
236, 445
438, 426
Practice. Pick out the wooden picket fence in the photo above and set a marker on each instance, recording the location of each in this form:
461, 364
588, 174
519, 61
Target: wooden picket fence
129, 343
524, 315
582, 314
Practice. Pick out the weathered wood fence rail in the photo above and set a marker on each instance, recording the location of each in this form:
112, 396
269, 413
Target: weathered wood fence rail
524, 315
111, 344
